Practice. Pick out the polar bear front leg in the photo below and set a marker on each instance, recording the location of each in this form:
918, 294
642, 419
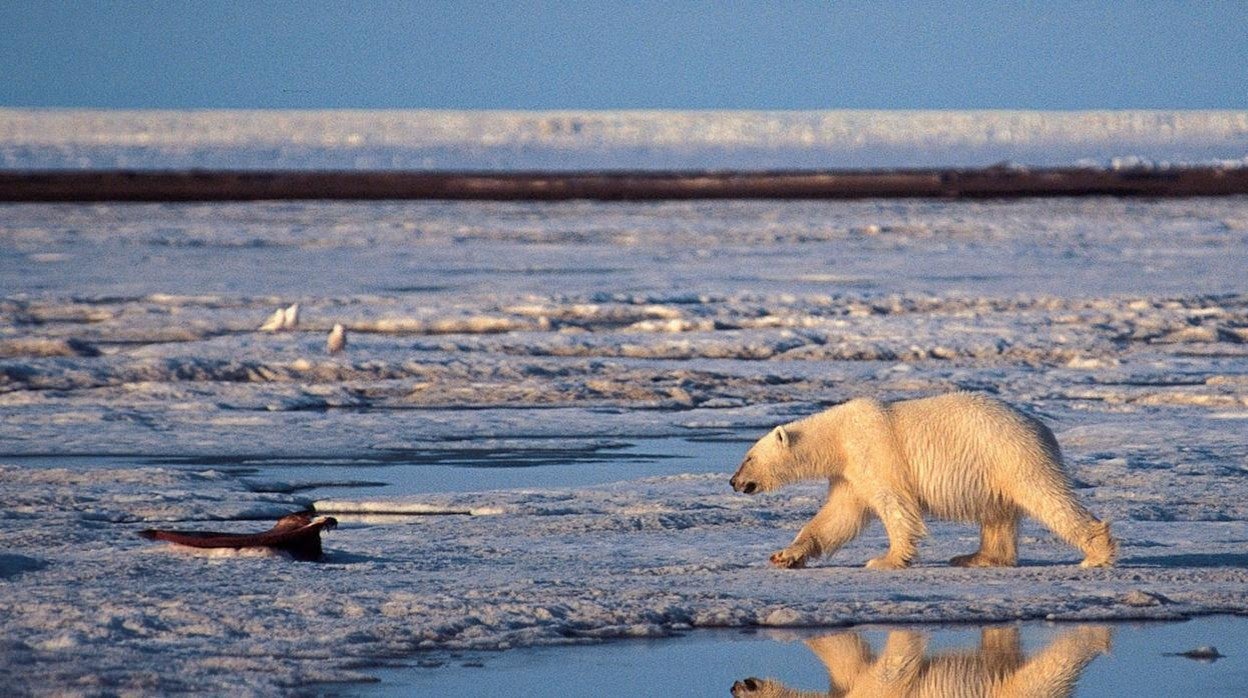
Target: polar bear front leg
838, 521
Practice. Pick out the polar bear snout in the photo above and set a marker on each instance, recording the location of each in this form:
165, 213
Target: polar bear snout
747, 479
746, 686
740, 484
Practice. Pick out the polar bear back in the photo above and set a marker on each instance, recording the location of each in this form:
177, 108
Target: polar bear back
968, 454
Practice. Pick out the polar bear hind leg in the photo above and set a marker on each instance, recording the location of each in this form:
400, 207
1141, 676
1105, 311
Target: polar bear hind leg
1041, 488
1055, 506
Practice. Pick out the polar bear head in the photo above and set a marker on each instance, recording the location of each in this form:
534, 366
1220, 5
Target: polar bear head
765, 463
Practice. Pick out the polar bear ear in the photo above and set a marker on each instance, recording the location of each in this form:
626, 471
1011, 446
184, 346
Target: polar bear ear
782, 435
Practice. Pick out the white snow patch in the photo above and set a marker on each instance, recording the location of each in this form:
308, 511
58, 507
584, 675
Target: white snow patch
338, 507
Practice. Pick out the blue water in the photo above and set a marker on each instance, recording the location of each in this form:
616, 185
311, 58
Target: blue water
434, 470
709, 662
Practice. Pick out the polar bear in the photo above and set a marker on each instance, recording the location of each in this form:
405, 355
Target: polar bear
959, 456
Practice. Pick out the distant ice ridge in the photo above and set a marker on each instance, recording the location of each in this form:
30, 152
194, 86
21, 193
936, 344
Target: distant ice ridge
336, 139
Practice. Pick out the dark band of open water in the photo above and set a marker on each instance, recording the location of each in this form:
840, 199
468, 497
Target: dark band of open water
980, 183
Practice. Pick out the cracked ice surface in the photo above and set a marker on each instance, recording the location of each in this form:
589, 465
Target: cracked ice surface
135, 391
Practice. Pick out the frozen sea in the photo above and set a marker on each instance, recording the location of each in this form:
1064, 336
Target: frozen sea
528, 437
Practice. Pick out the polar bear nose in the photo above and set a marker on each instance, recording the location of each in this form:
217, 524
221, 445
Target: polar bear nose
749, 685
742, 486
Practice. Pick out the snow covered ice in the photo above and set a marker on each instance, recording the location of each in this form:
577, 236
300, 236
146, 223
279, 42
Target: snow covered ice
136, 391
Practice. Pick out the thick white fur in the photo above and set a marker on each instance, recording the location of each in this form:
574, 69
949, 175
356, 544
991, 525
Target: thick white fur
959, 456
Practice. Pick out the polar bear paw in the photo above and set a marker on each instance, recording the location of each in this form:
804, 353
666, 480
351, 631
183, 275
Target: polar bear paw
887, 562
1100, 548
787, 559
980, 560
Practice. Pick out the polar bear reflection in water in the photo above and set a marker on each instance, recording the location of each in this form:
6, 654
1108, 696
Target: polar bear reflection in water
997, 667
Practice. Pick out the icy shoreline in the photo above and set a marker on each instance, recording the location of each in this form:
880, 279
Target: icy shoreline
644, 558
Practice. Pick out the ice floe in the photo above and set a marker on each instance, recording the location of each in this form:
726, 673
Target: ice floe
543, 338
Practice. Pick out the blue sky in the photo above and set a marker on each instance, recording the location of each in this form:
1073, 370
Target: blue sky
664, 54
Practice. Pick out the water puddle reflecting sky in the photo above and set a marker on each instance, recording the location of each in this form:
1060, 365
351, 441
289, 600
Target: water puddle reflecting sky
1015, 659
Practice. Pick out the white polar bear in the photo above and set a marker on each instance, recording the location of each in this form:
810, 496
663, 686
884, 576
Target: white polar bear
959, 456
